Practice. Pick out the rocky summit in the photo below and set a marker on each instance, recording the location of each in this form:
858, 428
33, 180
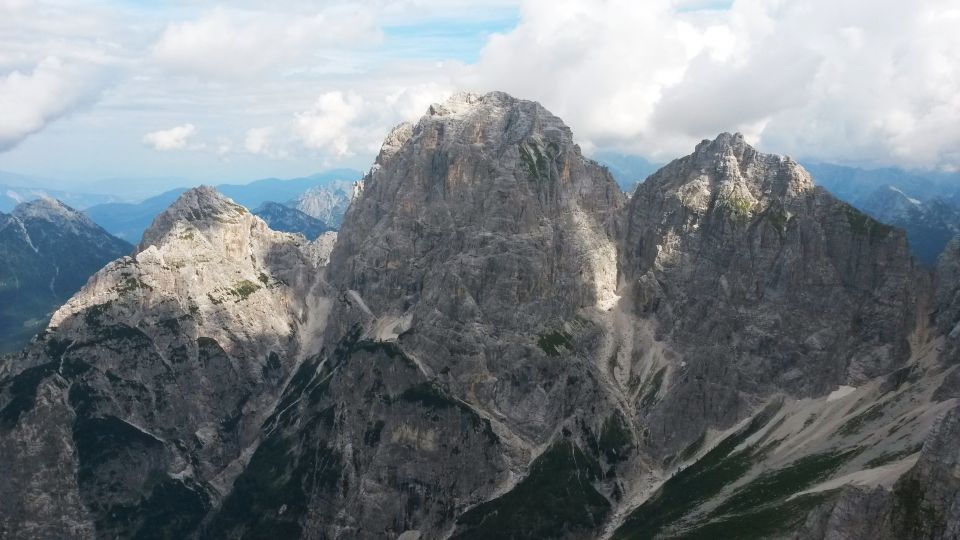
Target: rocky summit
500, 344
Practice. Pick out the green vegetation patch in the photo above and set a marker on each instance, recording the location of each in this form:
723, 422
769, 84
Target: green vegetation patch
537, 163
274, 492
739, 207
865, 225
890, 457
615, 440
651, 388
131, 283
763, 523
780, 484
777, 218
855, 424
691, 487
913, 516
694, 447
244, 288
556, 499
554, 342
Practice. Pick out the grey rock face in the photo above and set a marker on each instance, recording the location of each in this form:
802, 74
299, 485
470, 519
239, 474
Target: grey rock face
469, 267
948, 290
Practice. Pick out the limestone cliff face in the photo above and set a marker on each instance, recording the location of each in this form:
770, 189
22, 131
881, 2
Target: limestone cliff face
499, 345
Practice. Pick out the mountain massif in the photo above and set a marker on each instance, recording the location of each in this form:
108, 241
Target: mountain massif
498, 343
47, 252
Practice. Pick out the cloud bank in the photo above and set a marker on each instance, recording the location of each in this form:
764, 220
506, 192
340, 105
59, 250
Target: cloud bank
862, 82
29, 101
870, 81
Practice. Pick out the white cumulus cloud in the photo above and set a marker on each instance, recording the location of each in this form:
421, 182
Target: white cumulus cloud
235, 43
874, 82
29, 101
175, 138
331, 123
341, 124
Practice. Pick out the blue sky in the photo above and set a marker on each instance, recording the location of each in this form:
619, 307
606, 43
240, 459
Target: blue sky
212, 92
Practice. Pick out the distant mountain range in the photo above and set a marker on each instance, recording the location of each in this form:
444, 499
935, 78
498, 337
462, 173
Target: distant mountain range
47, 252
129, 220
286, 219
327, 203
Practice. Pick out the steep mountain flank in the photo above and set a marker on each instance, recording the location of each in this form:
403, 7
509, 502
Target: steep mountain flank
784, 306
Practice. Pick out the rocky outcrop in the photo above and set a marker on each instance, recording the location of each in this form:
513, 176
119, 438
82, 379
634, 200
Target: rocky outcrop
947, 291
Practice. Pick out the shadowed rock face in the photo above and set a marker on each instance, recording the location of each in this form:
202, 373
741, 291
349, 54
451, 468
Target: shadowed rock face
499, 345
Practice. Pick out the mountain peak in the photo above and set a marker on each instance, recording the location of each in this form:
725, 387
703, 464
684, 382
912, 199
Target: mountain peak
52, 210
202, 207
724, 141
516, 119
729, 168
